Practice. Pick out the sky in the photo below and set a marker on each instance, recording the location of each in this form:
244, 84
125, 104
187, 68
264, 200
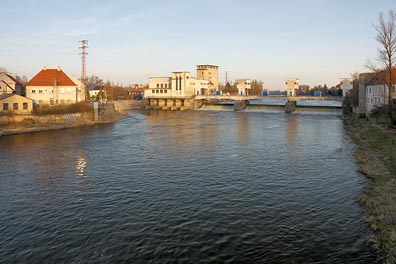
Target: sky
317, 41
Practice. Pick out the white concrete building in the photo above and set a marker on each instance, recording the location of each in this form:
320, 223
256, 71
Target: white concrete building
346, 84
243, 86
53, 86
291, 86
180, 84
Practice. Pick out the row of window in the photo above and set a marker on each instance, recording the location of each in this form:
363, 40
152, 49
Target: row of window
376, 89
15, 106
159, 91
61, 90
162, 85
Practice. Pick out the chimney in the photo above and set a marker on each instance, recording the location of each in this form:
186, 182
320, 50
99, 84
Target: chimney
44, 68
59, 68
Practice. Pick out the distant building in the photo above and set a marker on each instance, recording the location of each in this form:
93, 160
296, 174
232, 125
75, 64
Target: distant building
377, 92
8, 84
209, 73
346, 84
291, 86
243, 86
15, 103
53, 86
136, 91
93, 91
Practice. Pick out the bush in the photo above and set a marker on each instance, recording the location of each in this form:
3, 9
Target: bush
63, 109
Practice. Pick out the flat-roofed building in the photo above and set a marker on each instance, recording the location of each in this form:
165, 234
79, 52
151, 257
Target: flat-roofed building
243, 86
210, 73
291, 86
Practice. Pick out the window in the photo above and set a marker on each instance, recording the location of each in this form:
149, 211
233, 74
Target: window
161, 91
157, 91
62, 90
166, 85
5, 106
40, 91
187, 77
25, 105
33, 91
165, 91
162, 85
15, 106
157, 85
68, 90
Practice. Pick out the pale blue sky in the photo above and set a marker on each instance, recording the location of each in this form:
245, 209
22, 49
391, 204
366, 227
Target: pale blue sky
317, 41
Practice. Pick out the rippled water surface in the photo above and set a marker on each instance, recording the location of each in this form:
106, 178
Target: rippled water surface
184, 187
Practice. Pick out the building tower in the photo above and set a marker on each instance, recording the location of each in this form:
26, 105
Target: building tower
291, 86
84, 46
211, 74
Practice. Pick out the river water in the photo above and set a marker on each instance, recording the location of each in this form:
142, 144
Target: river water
184, 187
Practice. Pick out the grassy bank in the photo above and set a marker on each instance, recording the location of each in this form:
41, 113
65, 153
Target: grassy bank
376, 157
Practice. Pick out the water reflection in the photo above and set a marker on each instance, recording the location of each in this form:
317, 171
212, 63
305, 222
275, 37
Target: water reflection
81, 164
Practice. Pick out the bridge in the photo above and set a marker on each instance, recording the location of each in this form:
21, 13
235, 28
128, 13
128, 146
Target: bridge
269, 97
239, 101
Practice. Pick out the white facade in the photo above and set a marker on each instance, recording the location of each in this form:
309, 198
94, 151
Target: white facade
81, 93
53, 94
376, 96
180, 84
291, 86
243, 86
346, 84
158, 87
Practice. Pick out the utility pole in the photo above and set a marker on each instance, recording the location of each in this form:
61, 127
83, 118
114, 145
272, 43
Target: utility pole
226, 78
84, 46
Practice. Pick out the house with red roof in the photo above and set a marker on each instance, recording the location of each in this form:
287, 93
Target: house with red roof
53, 86
8, 84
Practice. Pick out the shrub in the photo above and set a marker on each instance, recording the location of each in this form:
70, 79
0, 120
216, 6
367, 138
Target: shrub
63, 109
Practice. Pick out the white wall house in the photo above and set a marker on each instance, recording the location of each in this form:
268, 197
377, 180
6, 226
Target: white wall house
53, 86
243, 86
346, 84
291, 86
377, 92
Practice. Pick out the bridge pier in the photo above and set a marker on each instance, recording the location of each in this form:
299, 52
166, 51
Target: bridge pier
290, 106
240, 105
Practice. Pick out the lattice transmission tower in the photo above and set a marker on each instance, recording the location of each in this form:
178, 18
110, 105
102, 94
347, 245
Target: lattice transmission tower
84, 46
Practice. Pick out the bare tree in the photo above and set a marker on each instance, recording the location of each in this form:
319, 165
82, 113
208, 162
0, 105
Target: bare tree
386, 37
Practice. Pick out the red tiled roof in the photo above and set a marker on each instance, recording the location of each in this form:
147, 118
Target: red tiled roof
51, 77
382, 77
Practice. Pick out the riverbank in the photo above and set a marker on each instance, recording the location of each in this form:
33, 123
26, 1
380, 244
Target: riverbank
376, 157
12, 125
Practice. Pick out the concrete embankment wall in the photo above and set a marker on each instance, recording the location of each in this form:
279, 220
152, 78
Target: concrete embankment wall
17, 124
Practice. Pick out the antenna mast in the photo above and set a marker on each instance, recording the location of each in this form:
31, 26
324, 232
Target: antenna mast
84, 46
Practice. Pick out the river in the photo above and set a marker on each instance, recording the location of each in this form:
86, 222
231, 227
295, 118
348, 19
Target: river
185, 187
